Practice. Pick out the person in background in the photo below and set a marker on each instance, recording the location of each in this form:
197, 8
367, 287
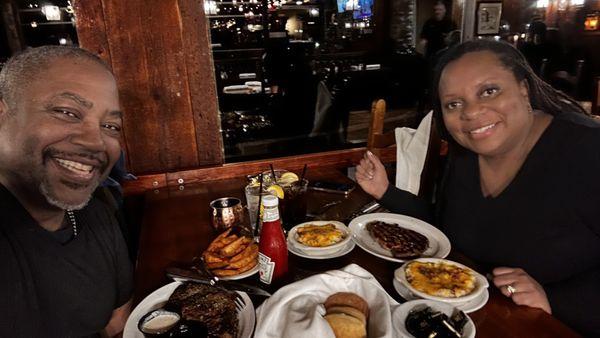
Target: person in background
520, 190
65, 270
534, 48
435, 30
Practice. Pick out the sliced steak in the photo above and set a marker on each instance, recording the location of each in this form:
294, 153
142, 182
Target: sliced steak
402, 242
216, 310
185, 291
213, 307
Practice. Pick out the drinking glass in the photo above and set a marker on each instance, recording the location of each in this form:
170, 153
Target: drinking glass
293, 205
252, 192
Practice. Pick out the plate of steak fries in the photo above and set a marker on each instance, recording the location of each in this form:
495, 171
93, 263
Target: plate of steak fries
398, 238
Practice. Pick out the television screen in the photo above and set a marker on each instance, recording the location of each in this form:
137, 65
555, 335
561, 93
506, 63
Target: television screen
364, 9
360, 8
347, 5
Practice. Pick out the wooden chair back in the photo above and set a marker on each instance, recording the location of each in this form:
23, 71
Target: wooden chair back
377, 138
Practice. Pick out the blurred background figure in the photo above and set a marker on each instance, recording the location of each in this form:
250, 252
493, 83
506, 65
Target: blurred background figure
435, 30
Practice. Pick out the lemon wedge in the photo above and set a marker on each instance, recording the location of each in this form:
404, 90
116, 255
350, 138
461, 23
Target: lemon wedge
289, 177
276, 190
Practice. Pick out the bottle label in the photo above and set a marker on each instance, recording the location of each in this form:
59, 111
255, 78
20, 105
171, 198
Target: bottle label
266, 268
270, 214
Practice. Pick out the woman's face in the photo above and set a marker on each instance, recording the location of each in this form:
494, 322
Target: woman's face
484, 107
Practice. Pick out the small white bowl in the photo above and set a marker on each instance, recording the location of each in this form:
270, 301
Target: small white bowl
321, 250
481, 282
448, 309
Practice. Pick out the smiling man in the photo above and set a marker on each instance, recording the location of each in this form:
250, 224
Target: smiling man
65, 271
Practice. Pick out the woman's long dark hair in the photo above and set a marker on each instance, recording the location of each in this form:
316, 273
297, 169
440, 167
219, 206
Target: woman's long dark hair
541, 95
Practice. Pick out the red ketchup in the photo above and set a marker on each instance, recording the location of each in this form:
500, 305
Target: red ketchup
273, 253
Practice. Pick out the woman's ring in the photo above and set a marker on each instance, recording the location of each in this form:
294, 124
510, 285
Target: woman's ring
511, 290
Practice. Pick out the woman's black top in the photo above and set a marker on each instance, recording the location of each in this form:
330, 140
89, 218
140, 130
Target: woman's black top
546, 221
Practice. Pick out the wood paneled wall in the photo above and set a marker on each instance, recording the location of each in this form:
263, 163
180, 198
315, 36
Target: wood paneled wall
160, 53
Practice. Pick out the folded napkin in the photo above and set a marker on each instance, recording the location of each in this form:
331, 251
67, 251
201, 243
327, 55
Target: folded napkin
297, 310
410, 154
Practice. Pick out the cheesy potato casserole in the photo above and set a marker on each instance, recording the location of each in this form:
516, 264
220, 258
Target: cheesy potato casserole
319, 235
440, 279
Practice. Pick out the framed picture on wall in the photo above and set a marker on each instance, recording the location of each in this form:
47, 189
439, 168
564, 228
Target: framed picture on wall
488, 17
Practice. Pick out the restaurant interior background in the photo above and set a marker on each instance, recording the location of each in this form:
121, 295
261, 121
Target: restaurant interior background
296, 77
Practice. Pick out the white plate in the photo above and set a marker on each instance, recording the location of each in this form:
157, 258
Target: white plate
439, 245
467, 307
346, 249
481, 282
159, 297
309, 250
402, 312
243, 274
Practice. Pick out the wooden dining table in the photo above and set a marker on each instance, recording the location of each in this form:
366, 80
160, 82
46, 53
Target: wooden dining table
176, 227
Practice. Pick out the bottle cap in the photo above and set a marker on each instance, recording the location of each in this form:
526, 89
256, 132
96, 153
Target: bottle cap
270, 201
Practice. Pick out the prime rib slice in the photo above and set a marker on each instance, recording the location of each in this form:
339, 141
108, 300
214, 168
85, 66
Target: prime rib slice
209, 305
402, 242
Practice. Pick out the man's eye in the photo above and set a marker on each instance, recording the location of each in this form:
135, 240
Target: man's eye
489, 92
67, 113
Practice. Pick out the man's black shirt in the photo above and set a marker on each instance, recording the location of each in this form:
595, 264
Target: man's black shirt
53, 284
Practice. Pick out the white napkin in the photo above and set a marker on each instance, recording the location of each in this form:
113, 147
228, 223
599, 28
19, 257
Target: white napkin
410, 154
296, 310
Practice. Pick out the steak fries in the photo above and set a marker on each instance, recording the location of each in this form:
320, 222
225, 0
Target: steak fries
230, 254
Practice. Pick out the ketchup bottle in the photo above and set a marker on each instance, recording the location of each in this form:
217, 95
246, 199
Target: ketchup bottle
273, 253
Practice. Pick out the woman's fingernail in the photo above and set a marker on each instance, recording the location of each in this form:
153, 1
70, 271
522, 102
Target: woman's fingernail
369, 153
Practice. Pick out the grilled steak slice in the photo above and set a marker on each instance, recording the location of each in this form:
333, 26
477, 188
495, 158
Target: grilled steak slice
402, 242
185, 291
216, 310
213, 307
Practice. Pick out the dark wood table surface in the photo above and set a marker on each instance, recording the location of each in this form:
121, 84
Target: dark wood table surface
176, 227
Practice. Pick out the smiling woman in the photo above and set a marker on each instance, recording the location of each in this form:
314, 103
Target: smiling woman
514, 195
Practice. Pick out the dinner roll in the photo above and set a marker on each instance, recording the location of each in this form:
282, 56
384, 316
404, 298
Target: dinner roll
348, 310
346, 326
347, 314
348, 299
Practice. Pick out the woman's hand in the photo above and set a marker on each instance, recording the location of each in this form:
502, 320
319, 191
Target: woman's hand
521, 288
371, 175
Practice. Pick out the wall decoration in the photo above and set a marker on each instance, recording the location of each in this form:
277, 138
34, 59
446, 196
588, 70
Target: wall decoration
488, 18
